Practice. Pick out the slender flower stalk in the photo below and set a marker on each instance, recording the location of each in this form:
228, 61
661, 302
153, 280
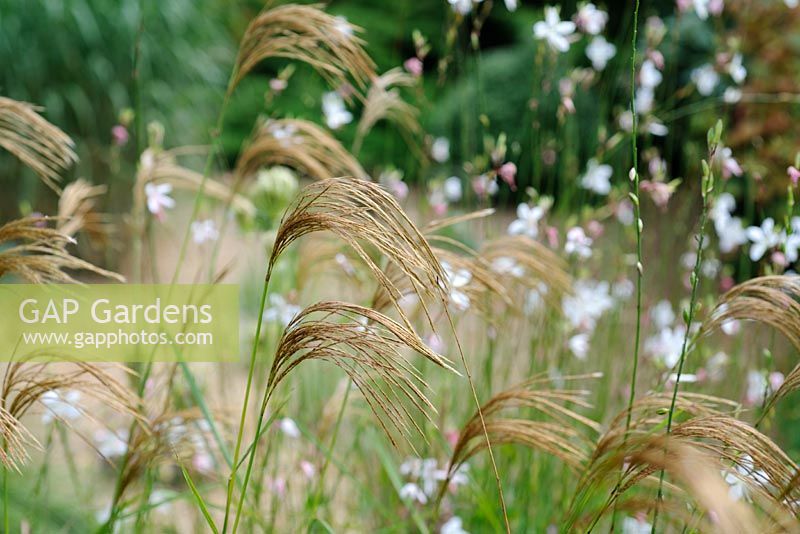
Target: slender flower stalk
707, 187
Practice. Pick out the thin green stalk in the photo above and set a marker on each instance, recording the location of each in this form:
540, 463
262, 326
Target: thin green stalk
634, 196
240, 433
706, 189
337, 426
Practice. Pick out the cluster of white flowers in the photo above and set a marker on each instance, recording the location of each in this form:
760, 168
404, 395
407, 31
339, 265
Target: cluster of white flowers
666, 345
578, 243
744, 475
424, 477
588, 302
730, 230
768, 237
60, 405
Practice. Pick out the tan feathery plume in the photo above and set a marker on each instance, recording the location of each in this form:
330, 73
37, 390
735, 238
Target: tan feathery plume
771, 300
384, 102
368, 346
37, 143
566, 434
305, 33
301, 145
76, 208
38, 254
360, 213
25, 383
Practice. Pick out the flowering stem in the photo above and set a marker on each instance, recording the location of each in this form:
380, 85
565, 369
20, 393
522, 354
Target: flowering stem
634, 196
706, 189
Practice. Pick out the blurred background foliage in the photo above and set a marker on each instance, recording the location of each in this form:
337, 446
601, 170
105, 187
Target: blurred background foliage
75, 58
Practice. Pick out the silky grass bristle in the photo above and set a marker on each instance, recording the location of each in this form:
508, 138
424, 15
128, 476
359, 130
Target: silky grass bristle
301, 145
305, 33
368, 346
38, 254
384, 102
360, 213
76, 209
35, 142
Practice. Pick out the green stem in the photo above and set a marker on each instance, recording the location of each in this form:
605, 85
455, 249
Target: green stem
638, 229
240, 434
689, 318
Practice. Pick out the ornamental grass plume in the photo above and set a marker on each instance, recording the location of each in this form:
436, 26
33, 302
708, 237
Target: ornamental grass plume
383, 101
300, 145
305, 33
368, 346
76, 209
35, 142
38, 254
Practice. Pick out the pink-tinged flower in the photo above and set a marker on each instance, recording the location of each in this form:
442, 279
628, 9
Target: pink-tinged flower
551, 233
595, 228
308, 469
414, 66
730, 167
657, 58
590, 19
553, 30
508, 173
715, 7
683, 5
779, 258
436, 343
452, 437
202, 462
119, 134
660, 192
776, 380
278, 84
484, 186
726, 283
794, 174
158, 198
278, 485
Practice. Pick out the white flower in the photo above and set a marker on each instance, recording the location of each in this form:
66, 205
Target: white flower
527, 221
462, 7
505, 265
203, 231
457, 280
666, 346
600, 52
623, 289
701, 8
280, 311
762, 238
158, 198
60, 405
731, 234
791, 247
724, 206
597, 177
791, 4
452, 189
308, 469
590, 19
645, 99
534, 300
632, 525
589, 300
730, 167
649, 75
111, 444
411, 491
662, 314
440, 149
343, 26
453, 526
716, 365
736, 69
579, 345
553, 30
657, 128
289, 427
336, 115
511, 5
578, 243
742, 477
283, 133
705, 78
732, 95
